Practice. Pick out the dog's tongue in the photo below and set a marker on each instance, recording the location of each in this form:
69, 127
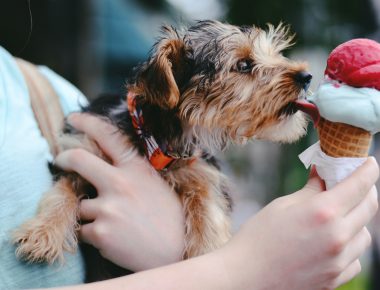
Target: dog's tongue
310, 109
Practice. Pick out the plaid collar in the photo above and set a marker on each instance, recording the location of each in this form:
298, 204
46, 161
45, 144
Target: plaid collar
157, 156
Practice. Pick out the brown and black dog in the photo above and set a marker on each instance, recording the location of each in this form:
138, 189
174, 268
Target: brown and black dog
202, 88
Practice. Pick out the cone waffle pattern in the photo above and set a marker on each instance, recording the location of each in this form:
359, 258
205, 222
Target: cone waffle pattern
342, 140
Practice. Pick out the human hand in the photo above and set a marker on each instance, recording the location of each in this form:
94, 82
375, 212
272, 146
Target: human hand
311, 239
136, 221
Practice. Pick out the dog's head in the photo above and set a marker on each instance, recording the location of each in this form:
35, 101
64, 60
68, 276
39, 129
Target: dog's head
227, 83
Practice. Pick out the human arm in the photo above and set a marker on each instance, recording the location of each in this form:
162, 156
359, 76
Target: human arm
307, 240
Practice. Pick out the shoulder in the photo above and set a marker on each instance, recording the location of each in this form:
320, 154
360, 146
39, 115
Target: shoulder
10, 75
71, 98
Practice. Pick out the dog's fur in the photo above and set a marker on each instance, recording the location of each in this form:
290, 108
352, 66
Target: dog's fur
201, 89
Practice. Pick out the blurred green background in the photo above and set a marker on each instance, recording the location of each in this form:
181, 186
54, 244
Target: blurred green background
96, 43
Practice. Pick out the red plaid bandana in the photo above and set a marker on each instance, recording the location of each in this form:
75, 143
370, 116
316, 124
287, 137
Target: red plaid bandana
156, 156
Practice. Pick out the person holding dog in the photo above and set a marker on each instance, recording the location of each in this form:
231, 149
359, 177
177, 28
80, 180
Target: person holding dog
311, 239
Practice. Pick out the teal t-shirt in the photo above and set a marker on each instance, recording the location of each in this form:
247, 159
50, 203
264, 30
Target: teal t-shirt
24, 176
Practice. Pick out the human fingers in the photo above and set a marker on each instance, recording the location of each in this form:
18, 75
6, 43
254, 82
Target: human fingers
107, 136
315, 182
314, 185
92, 168
88, 210
348, 274
86, 234
363, 213
351, 191
356, 247
96, 234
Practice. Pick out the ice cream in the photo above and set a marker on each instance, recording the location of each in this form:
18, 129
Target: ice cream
349, 99
359, 107
348, 102
356, 63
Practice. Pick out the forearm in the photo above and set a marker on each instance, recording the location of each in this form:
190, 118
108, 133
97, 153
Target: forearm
205, 272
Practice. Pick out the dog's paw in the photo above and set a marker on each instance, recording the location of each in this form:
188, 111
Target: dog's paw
42, 243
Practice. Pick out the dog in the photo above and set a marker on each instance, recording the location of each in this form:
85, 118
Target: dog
201, 89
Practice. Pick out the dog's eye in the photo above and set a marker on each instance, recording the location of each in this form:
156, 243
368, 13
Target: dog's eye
245, 65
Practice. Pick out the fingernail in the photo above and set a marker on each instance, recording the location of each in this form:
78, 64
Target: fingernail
372, 158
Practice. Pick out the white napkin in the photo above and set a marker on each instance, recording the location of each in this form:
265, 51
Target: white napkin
332, 170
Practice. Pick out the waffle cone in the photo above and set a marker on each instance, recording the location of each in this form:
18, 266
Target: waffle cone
343, 140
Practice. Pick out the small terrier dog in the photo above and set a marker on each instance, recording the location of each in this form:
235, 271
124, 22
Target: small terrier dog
201, 89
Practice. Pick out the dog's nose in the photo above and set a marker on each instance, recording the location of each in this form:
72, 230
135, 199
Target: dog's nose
303, 79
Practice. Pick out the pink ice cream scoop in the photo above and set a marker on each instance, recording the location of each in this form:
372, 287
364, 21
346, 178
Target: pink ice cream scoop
356, 63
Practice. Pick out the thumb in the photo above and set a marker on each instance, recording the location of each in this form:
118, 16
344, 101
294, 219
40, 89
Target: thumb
314, 182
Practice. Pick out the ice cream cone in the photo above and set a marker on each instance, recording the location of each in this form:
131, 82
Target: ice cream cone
350, 96
343, 140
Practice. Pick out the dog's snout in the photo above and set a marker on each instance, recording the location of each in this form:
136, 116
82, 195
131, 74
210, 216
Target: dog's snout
303, 79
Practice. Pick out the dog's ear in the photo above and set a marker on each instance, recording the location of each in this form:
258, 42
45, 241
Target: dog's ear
160, 76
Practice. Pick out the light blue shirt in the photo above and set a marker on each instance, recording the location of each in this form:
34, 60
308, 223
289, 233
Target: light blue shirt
24, 176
